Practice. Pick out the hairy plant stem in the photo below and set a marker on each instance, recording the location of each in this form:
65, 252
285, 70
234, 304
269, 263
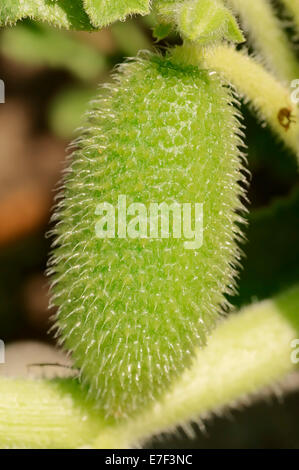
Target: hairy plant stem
248, 351
269, 98
267, 35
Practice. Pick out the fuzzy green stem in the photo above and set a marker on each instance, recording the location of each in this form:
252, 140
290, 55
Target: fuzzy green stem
45, 414
267, 36
268, 97
247, 352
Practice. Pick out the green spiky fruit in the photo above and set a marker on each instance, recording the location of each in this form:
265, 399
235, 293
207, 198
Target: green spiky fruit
131, 310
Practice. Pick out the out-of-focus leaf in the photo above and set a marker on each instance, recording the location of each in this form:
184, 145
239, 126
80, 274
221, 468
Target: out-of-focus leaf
37, 44
68, 14
162, 30
150, 21
272, 251
130, 38
67, 110
104, 12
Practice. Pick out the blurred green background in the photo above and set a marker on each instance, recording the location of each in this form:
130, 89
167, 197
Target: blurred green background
50, 75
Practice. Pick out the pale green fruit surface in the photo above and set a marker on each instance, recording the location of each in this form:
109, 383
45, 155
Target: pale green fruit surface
132, 310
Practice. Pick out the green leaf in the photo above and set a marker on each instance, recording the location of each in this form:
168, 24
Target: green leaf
208, 20
72, 14
62, 13
200, 20
67, 110
130, 38
104, 12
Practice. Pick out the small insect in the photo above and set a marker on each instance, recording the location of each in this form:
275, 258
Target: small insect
285, 118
